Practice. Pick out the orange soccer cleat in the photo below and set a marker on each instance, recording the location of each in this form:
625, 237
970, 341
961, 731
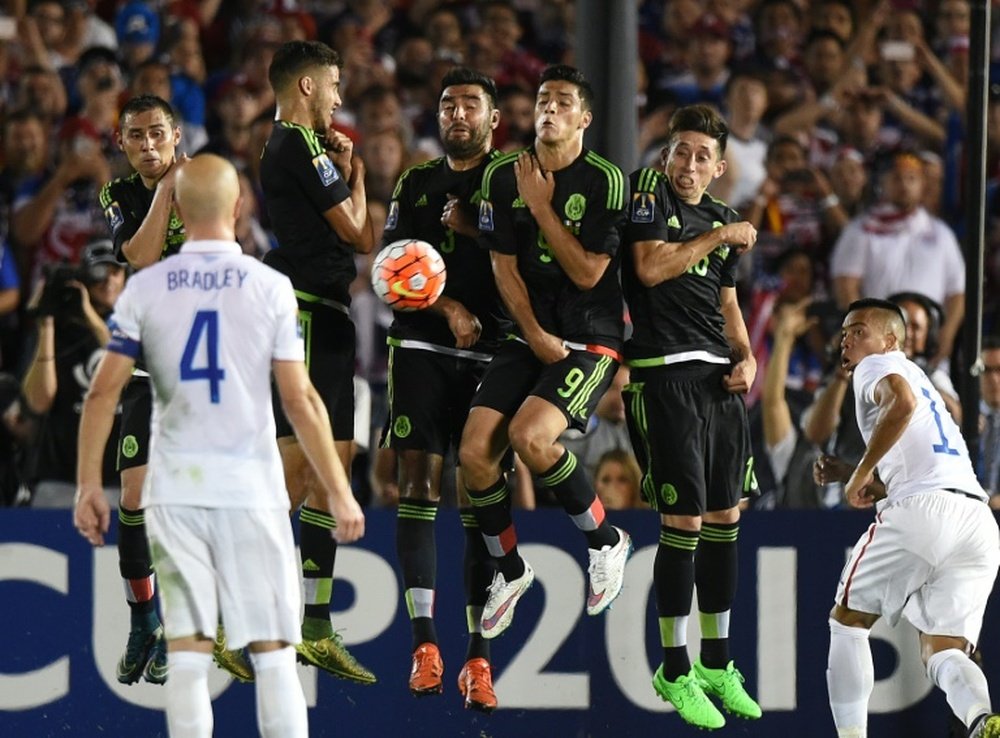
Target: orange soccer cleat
475, 682
425, 674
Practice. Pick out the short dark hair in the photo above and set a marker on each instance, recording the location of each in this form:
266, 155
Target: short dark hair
22, 115
566, 73
466, 76
144, 103
295, 57
874, 303
701, 119
824, 35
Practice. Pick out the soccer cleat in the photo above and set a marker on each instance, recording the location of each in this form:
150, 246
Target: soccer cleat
989, 727
332, 656
426, 671
156, 666
137, 652
475, 682
607, 573
232, 661
689, 699
727, 685
499, 608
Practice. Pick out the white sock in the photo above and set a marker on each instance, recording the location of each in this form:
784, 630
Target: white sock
281, 706
189, 704
850, 678
963, 683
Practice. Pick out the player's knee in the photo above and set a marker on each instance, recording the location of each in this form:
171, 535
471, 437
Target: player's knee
529, 443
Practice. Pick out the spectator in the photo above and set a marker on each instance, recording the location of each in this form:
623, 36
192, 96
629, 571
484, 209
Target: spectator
707, 54
517, 119
41, 90
778, 25
897, 245
235, 106
746, 152
385, 157
849, 180
138, 28
153, 77
617, 480
834, 16
989, 421
71, 310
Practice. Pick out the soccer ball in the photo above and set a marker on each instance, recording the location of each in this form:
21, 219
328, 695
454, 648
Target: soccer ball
408, 275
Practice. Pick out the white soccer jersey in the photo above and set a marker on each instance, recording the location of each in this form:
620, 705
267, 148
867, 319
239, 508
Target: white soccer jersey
208, 322
931, 454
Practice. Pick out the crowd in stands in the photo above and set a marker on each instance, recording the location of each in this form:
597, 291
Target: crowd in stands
846, 152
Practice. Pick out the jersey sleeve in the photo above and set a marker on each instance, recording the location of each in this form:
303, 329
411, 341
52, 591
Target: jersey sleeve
399, 220
306, 164
648, 210
288, 344
124, 322
496, 221
869, 372
600, 231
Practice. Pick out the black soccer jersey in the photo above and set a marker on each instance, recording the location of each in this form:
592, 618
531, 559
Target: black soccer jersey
681, 314
126, 202
415, 212
300, 184
589, 197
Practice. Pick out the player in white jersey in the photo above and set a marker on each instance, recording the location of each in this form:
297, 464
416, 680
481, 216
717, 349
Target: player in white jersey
932, 554
212, 325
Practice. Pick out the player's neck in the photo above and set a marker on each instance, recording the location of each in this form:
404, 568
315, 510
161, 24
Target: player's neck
293, 112
558, 155
464, 165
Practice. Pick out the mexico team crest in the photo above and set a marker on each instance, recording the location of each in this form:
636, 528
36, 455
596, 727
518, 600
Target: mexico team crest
576, 206
328, 173
642, 207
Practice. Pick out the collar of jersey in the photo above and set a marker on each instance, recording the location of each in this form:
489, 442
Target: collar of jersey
211, 247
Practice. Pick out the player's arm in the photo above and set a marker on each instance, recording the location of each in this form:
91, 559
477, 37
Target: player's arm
514, 293
740, 378
584, 268
846, 289
463, 324
146, 245
657, 261
790, 324
350, 218
41, 381
307, 414
91, 512
896, 404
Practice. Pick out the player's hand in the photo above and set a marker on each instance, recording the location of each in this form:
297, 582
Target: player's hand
534, 185
548, 348
350, 519
91, 513
742, 235
170, 178
340, 147
857, 489
828, 469
464, 325
459, 218
740, 378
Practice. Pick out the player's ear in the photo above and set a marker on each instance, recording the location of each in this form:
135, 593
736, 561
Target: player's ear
238, 208
494, 119
720, 168
177, 135
587, 119
306, 85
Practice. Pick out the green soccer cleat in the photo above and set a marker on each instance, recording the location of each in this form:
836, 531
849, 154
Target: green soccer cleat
331, 655
989, 727
232, 661
727, 685
687, 696
156, 666
137, 652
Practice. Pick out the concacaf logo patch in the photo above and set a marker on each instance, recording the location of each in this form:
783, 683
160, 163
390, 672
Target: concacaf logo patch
328, 173
393, 217
114, 216
486, 216
642, 207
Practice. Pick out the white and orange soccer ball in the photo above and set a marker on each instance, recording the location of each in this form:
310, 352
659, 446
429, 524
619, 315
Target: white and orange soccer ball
408, 275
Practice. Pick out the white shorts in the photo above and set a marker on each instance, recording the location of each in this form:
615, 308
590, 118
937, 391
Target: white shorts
930, 558
234, 562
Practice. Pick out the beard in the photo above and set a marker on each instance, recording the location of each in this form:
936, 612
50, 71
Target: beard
465, 148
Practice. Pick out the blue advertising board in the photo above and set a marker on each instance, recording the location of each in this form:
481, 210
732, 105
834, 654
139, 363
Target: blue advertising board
557, 671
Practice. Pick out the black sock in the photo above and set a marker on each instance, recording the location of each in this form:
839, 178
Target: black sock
318, 551
479, 568
136, 568
673, 582
417, 554
716, 569
568, 482
492, 510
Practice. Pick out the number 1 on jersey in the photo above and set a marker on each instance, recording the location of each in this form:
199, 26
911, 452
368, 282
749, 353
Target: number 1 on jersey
205, 322
943, 447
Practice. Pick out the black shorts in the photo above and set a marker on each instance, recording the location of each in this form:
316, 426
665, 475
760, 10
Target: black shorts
574, 385
429, 398
691, 438
330, 345
137, 414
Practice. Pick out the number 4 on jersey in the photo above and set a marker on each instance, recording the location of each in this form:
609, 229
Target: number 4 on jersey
205, 322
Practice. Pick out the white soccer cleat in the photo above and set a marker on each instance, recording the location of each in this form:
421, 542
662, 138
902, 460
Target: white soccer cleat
499, 608
607, 573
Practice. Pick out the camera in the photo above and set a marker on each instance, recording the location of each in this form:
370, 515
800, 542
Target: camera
59, 296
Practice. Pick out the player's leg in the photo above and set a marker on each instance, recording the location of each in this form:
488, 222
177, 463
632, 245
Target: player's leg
281, 705
475, 680
954, 673
566, 394
668, 446
145, 644
717, 560
850, 672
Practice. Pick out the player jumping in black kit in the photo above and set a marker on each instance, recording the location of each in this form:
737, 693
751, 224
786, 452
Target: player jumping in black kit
690, 360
